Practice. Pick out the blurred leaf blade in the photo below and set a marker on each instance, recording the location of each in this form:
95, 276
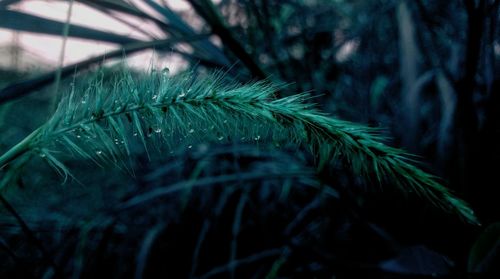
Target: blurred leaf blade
25, 22
208, 12
116, 5
6, 3
179, 28
24, 87
481, 257
121, 7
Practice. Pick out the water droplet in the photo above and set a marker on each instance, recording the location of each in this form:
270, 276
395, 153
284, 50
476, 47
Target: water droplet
257, 138
135, 134
243, 138
43, 155
78, 136
212, 127
182, 95
190, 146
220, 138
84, 101
154, 97
191, 131
225, 121
165, 71
158, 130
98, 152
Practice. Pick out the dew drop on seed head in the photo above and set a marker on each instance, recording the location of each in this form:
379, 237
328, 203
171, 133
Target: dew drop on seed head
98, 152
225, 121
257, 137
220, 138
190, 146
43, 155
154, 97
158, 130
191, 131
135, 134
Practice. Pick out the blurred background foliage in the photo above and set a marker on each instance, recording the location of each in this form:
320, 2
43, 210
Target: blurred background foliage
424, 72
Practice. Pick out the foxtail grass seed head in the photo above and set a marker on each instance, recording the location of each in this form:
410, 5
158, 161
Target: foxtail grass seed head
208, 109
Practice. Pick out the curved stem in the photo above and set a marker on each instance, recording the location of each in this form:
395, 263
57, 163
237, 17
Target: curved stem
19, 149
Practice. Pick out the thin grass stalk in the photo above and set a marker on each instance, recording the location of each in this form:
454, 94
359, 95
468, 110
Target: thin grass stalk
57, 95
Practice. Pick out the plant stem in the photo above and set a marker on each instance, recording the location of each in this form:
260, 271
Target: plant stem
19, 149
57, 95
